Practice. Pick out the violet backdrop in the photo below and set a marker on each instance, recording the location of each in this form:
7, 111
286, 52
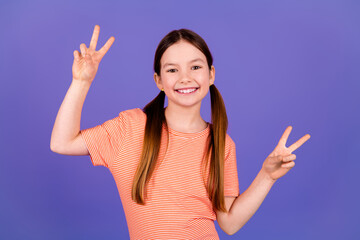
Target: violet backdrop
278, 63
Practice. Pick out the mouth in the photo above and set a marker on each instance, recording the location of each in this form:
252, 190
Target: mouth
186, 91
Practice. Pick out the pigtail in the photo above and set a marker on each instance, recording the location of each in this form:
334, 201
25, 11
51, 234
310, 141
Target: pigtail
216, 147
155, 117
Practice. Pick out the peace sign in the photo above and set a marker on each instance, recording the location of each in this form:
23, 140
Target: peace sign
281, 160
86, 65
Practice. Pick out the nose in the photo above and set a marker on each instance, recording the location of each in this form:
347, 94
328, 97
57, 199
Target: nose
185, 77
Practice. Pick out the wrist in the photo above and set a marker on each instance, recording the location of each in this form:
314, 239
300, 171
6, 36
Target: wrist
266, 176
80, 83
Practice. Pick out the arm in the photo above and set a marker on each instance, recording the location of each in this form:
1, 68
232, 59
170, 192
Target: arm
276, 165
66, 137
245, 205
67, 123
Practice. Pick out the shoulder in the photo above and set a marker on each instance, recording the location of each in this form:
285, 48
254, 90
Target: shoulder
131, 115
230, 147
229, 142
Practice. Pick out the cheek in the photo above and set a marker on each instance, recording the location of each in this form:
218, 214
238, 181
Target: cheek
168, 82
204, 77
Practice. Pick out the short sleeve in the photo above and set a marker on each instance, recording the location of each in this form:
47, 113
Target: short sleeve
231, 181
105, 140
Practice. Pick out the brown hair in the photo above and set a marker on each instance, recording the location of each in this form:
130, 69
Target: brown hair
156, 118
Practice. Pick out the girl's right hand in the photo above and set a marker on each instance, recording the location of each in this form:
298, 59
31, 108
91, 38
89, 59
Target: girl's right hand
86, 64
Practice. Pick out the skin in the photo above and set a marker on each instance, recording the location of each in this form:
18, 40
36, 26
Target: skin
281, 159
86, 64
183, 110
276, 165
66, 137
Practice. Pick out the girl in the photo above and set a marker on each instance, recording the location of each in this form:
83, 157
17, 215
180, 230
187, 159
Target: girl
175, 172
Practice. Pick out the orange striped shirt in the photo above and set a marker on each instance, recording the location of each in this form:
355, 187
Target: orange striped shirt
177, 204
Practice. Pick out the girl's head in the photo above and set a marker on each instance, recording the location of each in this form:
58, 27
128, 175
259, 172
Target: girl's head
183, 61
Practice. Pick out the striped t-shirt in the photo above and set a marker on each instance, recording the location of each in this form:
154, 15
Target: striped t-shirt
177, 205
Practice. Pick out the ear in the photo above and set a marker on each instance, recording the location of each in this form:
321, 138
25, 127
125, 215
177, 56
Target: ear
158, 81
212, 75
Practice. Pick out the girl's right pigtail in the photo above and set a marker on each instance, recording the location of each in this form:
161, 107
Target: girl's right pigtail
155, 117
217, 148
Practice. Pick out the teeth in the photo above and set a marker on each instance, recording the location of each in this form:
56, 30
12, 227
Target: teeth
187, 90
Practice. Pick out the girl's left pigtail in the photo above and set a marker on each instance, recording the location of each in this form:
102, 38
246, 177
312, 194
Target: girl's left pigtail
217, 148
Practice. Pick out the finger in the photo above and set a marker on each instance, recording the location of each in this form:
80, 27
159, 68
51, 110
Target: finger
285, 136
299, 142
94, 38
88, 59
83, 49
288, 165
279, 158
76, 55
290, 157
106, 47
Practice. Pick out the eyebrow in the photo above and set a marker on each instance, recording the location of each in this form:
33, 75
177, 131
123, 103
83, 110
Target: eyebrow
194, 60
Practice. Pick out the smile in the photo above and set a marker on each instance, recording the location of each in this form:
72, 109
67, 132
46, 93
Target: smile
187, 91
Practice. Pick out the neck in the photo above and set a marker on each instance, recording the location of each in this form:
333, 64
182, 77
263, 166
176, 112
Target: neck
184, 119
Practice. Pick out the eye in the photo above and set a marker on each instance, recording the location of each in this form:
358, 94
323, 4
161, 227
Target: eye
171, 70
197, 67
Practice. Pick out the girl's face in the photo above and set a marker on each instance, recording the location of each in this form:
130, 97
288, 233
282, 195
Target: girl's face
184, 75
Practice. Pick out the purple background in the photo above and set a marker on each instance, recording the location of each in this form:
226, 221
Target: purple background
278, 63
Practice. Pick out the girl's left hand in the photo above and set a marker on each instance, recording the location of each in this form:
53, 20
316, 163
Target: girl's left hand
280, 161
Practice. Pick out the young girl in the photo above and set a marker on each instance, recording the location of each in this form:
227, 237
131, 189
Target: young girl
175, 172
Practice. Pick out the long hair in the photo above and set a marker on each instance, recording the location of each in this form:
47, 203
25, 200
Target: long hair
155, 112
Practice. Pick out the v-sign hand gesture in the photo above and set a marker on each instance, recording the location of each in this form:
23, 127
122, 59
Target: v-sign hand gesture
281, 160
86, 65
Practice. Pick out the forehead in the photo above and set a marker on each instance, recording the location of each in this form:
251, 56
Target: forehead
181, 52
